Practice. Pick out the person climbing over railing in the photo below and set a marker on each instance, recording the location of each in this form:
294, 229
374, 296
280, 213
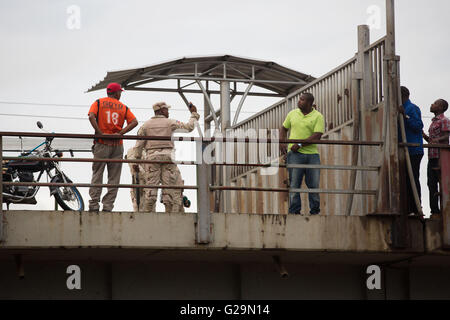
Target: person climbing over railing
304, 123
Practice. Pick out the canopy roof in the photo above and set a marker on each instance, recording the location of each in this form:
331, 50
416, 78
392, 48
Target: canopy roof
265, 74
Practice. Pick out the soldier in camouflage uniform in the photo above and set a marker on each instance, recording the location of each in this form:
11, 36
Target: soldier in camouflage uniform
166, 174
136, 170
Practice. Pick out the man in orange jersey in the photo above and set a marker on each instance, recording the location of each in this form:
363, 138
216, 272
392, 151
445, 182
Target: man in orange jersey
107, 116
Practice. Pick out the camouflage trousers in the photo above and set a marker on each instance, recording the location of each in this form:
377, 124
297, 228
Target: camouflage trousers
176, 207
165, 174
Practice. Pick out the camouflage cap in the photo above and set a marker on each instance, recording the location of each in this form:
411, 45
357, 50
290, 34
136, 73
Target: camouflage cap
160, 105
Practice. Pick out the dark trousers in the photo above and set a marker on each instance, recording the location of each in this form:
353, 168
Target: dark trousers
415, 164
433, 180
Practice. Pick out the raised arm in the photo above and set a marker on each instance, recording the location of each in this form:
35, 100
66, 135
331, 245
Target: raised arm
188, 126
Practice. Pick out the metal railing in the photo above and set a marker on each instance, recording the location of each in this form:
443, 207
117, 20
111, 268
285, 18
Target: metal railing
198, 140
332, 94
376, 55
204, 184
333, 97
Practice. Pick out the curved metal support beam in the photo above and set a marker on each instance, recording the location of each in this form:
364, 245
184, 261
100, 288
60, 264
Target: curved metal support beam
213, 112
209, 118
241, 103
241, 73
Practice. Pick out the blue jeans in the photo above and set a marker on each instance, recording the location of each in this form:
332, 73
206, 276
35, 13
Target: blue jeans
312, 179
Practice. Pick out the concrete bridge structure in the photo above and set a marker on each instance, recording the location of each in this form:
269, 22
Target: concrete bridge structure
242, 244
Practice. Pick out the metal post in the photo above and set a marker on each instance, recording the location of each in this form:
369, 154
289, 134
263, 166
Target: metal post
366, 154
393, 100
389, 178
206, 113
358, 100
207, 121
203, 227
225, 118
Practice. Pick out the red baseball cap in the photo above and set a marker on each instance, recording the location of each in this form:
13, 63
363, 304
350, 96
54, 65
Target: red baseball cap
113, 87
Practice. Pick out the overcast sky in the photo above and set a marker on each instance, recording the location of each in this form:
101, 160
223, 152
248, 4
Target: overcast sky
43, 61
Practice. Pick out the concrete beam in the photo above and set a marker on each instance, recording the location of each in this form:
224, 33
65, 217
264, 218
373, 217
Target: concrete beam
56, 229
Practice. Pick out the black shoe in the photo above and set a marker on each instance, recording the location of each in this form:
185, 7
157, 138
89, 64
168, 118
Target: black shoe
106, 210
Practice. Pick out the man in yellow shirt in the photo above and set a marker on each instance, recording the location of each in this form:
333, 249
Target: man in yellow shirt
304, 123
